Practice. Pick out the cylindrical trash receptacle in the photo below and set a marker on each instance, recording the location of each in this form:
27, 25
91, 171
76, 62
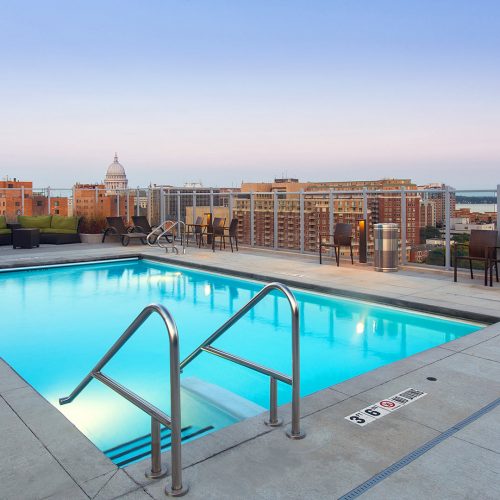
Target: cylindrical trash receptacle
386, 247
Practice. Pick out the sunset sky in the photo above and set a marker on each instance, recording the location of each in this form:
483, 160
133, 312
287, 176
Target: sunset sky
228, 90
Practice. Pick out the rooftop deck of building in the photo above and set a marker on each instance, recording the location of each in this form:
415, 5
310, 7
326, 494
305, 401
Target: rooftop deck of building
445, 445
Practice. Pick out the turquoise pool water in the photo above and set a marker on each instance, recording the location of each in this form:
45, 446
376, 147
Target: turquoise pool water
57, 323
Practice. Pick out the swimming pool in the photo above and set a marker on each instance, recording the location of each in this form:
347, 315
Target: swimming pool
57, 323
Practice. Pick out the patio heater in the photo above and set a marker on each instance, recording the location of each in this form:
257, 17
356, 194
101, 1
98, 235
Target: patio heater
362, 241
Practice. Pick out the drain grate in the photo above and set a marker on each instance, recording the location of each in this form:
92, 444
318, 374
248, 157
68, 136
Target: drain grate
377, 478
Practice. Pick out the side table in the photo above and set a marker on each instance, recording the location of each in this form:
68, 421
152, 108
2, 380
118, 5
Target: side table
26, 238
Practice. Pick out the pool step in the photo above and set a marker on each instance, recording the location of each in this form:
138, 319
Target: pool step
228, 402
140, 447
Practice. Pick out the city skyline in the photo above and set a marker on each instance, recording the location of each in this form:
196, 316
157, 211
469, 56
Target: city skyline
231, 92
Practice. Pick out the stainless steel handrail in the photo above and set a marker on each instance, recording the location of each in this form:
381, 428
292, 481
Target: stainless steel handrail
159, 231
174, 224
157, 416
294, 380
163, 230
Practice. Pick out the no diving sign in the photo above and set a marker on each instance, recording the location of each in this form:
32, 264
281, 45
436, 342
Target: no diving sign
385, 406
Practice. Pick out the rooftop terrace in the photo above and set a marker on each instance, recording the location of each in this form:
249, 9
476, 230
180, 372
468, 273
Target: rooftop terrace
449, 440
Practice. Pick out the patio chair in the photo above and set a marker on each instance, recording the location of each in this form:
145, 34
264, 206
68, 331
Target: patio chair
116, 226
196, 229
482, 248
214, 229
494, 263
342, 237
230, 235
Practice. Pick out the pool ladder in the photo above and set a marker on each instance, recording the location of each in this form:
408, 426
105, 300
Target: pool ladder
165, 230
173, 422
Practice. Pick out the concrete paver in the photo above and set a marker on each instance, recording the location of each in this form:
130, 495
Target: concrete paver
464, 384
489, 349
28, 470
336, 455
484, 432
453, 469
80, 458
109, 486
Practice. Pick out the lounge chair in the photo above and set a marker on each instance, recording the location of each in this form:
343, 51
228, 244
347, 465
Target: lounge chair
142, 225
342, 237
116, 226
482, 248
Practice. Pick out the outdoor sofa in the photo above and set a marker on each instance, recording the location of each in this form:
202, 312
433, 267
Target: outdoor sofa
54, 229
5, 232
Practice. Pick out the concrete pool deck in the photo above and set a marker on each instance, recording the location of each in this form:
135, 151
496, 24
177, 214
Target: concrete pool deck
42, 455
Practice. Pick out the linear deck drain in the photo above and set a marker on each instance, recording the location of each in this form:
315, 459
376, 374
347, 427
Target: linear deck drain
377, 478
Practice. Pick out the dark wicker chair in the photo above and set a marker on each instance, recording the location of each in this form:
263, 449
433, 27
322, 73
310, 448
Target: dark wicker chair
342, 237
215, 229
196, 229
141, 224
482, 248
231, 235
116, 226
494, 261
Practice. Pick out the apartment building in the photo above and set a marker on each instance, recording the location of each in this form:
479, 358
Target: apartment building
59, 205
94, 200
348, 207
15, 198
428, 213
439, 198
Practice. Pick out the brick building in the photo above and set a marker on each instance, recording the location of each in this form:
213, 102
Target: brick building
348, 208
15, 198
59, 205
428, 213
94, 200
439, 198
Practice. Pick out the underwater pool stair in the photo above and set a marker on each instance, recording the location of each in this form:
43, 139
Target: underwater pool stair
172, 435
140, 447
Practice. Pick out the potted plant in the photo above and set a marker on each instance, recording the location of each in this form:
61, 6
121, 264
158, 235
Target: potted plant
91, 229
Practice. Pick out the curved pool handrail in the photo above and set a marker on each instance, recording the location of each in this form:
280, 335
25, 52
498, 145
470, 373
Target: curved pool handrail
173, 422
159, 232
173, 225
274, 375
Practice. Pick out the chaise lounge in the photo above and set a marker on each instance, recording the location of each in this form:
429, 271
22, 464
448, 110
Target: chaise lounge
116, 227
142, 225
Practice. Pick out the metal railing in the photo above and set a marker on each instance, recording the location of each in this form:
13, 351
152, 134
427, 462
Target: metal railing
206, 346
166, 230
279, 220
173, 422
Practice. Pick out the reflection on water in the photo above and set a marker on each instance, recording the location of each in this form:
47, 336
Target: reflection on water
57, 323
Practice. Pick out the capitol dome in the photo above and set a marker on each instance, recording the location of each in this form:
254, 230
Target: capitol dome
116, 178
